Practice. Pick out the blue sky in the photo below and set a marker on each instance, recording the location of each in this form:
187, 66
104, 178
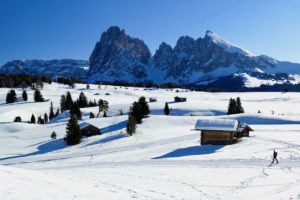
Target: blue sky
48, 29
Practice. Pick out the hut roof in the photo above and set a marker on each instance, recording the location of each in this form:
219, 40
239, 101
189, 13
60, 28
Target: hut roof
243, 127
217, 124
85, 124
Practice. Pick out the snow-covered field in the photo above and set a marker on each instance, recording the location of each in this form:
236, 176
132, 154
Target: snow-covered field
163, 160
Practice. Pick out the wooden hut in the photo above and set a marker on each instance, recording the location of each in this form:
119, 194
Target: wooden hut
244, 130
89, 129
152, 99
179, 99
217, 131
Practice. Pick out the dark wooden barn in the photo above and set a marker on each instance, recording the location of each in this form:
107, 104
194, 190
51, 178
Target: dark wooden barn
179, 99
89, 129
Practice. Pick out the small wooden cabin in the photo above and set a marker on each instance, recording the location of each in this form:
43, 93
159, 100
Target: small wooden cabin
179, 99
152, 99
244, 130
89, 129
218, 131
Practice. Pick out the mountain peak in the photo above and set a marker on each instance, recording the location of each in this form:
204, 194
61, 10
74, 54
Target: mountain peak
226, 45
208, 32
115, 29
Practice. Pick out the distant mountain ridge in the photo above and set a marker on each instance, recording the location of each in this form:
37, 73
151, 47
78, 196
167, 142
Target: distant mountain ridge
119, 57
197, 62
57, 67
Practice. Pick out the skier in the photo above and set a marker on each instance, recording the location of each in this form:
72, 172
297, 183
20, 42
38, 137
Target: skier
274, 157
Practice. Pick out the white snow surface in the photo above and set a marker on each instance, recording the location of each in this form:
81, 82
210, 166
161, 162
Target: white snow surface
217, 124
162, 160
228, 46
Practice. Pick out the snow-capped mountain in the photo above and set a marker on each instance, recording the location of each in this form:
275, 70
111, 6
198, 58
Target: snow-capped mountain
203, 62
119, 57
63, 67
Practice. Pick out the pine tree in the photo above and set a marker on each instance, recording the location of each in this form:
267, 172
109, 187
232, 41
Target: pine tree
75, 110
69, 101
92, 115
32, 120
131, 125
24, 95
239, 107
53, 135
11, 96
136, 112
45, 118
92, 103
166, 109
74, 134
144, 106
82, 100
232, 107
51, 113
38, 96
56, 113
63, 103
17, 119
40, 120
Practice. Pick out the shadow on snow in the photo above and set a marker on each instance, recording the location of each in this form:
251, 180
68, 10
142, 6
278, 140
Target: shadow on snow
191, 151
109, 129
47, 147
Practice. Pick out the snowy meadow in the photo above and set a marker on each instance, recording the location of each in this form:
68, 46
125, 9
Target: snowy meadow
162, 160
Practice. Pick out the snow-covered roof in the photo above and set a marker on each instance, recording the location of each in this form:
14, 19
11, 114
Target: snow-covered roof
217, 124
85, 124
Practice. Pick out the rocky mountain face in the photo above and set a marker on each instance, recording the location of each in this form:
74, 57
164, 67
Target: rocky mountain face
64, 67
119, 57
210, 61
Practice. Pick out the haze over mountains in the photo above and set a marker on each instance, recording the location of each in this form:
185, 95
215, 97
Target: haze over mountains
210, 61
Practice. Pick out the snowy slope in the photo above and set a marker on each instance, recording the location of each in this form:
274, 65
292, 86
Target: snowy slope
228, 46
163, 160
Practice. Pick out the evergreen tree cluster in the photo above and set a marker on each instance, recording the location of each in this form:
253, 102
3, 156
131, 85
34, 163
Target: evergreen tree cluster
83, 101
67, 81
11, 96
42, 120
235, 106
21, 80
66, 103
138, 110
